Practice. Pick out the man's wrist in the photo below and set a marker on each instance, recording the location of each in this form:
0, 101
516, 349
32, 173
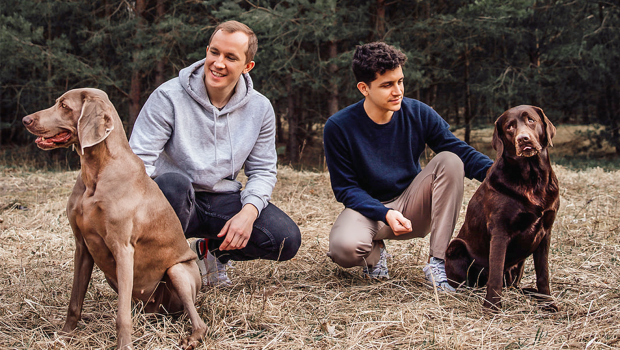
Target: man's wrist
250, 208
255, 200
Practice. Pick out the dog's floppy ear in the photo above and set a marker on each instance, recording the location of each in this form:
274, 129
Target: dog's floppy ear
498, 142
549, 127
95, 122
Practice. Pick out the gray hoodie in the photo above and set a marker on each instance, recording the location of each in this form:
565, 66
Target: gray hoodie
179, 130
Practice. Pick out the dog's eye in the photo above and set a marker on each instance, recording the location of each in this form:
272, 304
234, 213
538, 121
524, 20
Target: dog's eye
63, 105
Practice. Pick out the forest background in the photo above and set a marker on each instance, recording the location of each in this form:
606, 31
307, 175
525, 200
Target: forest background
469, 60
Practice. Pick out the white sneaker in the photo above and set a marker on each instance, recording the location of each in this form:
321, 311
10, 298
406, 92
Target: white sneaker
380, 270
213, 272
435, 272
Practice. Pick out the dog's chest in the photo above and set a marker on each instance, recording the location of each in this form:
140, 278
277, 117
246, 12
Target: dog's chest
526, 231
91, 220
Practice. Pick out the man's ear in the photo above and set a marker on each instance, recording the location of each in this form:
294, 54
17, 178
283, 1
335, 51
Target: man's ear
363, 88
248, 67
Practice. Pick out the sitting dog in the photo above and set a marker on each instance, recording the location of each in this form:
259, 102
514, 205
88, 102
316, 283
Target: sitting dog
120, 219
510, 216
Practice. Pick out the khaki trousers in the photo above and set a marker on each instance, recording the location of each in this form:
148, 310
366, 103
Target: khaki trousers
432, 202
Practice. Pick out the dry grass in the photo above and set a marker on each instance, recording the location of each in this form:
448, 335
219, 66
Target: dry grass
309, 302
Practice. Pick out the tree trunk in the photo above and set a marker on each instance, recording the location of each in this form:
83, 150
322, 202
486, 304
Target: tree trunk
161, 63
431, 95
292, 145
455, 104
585, 114
332, 103
468, 117
280, 107
49, 60
380, 21
611, 115
534, 54
136, 83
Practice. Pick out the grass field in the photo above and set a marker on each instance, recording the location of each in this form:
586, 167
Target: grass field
310, 302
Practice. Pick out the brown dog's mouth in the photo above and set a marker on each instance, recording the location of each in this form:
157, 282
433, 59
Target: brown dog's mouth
58, 140
527, 151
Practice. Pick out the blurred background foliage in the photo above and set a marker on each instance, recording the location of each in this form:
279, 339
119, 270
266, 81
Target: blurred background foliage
469, 60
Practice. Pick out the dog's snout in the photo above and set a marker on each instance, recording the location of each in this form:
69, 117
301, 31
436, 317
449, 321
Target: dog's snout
27, 120
523, 138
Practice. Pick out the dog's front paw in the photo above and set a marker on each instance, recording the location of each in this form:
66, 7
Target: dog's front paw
492, 307
64, 336
192, 341
549, 306
188, 343
545, 301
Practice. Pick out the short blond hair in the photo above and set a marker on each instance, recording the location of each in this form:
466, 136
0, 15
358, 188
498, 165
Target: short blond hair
234, 26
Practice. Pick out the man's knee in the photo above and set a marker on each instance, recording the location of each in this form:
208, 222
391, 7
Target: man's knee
349, 253
283, 230
179, 192
450, 164
173, 184
290, 244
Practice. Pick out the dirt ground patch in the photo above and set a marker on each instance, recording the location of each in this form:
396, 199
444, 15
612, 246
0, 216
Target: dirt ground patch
310, 302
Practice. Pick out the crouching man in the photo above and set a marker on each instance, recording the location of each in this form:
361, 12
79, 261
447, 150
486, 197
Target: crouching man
195, 133
372, 150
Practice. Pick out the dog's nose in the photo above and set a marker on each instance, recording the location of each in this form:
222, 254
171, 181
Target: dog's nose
523, 138
27, 120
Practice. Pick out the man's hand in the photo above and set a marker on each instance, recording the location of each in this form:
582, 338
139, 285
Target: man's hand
239, 228
398, 223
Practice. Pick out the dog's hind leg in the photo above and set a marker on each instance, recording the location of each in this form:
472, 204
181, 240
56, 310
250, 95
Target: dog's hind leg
185, 279
459, 264
513, 275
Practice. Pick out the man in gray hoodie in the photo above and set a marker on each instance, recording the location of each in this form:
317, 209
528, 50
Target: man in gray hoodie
195, 133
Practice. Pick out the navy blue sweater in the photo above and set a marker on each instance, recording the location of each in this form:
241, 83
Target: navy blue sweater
370, 163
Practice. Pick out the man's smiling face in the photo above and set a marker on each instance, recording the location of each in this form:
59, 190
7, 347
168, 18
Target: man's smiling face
226, 59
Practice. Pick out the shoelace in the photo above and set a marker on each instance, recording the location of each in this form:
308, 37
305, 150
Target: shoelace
380, 269
382, 263
438, 273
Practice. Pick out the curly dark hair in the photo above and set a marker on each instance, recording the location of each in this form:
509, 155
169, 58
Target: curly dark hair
377, 57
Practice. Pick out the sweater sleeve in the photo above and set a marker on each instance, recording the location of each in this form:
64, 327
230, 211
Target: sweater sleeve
261, 165
342, 174
152, 129
439, 138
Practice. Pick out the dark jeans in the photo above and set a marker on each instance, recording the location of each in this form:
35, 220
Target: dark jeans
275, 235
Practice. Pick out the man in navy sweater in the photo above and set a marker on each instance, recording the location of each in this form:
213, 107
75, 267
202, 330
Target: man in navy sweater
372, 149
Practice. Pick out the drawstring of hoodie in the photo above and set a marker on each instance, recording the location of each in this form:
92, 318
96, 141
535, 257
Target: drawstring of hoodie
216, 115
232, 153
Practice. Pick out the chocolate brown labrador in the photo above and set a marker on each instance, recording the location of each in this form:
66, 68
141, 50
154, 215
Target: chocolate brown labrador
511, 214
120, 219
